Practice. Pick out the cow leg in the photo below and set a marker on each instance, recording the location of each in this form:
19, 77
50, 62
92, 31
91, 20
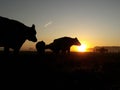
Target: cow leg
15, 52
68, 50
6, 50
56, 51
63, 51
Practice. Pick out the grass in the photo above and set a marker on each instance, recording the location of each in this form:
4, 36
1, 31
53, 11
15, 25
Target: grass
91, 71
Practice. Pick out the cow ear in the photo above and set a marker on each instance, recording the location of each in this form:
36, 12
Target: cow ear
33, 26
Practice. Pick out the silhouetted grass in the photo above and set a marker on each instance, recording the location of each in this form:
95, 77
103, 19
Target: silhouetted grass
77, 70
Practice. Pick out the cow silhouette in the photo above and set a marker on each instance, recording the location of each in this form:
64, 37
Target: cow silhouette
14, 33
63, 44
40, 46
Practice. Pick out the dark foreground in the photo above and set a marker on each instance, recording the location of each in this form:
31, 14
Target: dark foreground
85, 71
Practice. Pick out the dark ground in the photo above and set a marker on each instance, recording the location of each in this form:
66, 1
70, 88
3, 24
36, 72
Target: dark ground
85, 71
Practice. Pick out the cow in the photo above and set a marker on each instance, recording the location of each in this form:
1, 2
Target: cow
62, 44
40, 46
14, 33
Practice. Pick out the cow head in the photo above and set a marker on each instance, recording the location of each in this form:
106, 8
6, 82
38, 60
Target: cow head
31, 34
76, 42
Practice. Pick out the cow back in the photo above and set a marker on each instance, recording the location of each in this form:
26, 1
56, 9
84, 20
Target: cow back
12, 33
66, 42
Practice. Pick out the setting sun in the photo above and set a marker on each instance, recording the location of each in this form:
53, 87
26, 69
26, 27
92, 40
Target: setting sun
82, 48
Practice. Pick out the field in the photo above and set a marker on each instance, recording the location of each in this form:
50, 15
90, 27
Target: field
91, 71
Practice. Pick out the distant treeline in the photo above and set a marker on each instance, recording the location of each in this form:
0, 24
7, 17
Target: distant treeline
109, 49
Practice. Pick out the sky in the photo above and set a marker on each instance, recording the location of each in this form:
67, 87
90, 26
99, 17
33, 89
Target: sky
93, 22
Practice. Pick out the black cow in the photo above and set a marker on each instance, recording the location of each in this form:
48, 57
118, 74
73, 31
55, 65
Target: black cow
14, 33
40, 46
63, 44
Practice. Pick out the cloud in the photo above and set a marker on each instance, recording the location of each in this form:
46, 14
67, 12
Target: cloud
48, 24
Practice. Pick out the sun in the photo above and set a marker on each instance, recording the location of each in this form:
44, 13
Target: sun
82, 48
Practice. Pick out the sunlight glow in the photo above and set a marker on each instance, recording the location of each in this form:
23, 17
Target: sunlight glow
82, 48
